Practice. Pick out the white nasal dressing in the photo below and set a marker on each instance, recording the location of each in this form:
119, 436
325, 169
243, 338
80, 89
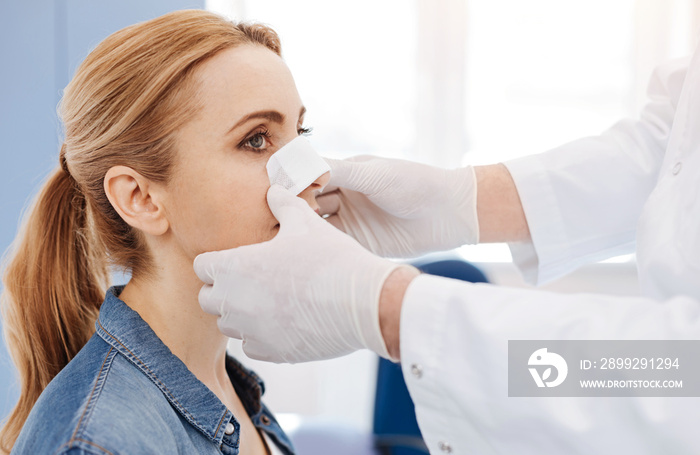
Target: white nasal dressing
296, 165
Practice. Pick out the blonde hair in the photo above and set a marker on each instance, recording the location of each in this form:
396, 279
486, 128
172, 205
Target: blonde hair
123, 106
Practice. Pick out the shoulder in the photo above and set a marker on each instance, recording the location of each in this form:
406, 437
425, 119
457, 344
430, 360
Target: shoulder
100, 403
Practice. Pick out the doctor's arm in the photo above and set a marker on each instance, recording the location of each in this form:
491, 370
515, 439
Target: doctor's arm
452, 338
500, 212
583, 200
576, 204
454, 355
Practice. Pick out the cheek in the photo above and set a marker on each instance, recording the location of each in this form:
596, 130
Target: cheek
248, 220
225, 212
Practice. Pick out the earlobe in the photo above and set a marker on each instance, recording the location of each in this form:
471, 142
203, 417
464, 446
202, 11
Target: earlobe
136, 199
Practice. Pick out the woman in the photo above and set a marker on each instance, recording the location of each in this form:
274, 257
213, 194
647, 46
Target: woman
168, 127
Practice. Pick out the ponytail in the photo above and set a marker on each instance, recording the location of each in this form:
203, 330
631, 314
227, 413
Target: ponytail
55, 276
123, 107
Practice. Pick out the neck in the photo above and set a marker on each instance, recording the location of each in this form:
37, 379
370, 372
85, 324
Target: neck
170, 306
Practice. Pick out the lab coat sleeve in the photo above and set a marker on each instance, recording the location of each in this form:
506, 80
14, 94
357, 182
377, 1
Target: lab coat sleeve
454, 349
582, 200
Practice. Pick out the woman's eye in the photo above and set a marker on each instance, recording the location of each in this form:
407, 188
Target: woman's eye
256, 141
305, 131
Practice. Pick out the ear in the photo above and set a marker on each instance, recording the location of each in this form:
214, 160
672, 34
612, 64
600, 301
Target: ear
136, 199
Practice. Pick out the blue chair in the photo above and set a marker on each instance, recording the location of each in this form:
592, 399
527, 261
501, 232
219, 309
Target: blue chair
396, 429
320, 436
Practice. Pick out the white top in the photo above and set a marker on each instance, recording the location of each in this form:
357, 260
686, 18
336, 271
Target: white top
637, 184
274, 450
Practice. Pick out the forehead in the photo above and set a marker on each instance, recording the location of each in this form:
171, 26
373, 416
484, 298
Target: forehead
244, 79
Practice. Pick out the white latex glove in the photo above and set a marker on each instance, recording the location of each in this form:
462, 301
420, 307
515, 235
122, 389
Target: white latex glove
400, 209
310, 293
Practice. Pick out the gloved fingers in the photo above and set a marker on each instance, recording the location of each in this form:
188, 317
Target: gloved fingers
336, 222
255, 350
207, 300
348, 174
228, 330
353, 159
361, 158
204, 266
329, 203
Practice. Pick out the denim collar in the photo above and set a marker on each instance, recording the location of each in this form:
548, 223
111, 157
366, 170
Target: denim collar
123, 328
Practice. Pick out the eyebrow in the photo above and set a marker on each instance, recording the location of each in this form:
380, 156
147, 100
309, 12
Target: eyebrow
273, 116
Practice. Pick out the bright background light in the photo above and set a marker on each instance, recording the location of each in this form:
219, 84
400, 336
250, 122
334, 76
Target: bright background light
456, 82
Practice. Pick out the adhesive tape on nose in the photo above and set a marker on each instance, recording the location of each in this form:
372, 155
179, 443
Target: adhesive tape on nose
296, 165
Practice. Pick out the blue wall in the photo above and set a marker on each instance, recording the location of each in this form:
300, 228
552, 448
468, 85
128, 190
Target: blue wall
41, 44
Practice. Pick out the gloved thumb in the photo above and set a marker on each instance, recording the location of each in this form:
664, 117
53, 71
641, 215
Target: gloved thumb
204, 266
291, 211
350, 173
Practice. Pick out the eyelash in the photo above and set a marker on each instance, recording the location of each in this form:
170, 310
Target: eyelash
264, 133
305, 131
302, 131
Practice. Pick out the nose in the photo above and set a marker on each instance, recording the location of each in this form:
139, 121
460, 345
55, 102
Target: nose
310, 192
320, 183
294, 165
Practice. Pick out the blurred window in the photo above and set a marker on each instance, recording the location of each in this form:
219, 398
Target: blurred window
455, 82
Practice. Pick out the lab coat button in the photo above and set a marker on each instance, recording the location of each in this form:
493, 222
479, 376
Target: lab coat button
677, 168
417, 370
229, 428
445, 446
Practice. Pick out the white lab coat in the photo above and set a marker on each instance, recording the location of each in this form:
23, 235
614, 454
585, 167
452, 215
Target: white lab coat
637, 184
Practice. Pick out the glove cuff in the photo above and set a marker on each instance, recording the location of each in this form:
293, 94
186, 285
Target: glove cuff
463, 191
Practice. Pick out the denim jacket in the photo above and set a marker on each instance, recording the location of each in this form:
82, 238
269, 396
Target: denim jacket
125, 392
